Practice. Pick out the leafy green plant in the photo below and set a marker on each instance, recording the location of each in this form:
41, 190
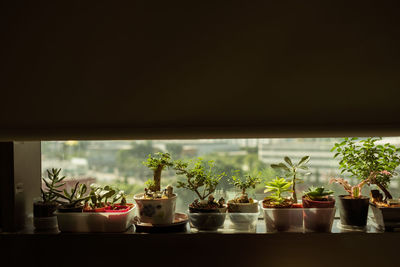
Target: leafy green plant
157, 163
75, 196
246, 183
53, 182
277, 188
202, 179
354, 191
364, 159
317, 193
293, 171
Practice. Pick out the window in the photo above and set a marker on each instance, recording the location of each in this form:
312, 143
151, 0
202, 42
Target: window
120, 162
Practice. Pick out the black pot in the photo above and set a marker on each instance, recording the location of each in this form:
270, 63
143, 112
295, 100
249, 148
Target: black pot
42, 209
387, 218
70, 209
207, 219
353, 211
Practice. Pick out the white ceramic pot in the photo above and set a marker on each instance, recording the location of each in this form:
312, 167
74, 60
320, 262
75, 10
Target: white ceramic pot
243, 207
156, 211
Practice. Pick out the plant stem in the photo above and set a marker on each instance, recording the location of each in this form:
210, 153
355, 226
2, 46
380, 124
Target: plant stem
294, 196
387, 194
157, 177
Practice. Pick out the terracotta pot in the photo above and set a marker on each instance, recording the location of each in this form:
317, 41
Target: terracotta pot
353, 211
318, 215
120, 208
308, 203
156, 211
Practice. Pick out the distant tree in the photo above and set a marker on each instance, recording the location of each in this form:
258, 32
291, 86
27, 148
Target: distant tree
129, 161
174, 149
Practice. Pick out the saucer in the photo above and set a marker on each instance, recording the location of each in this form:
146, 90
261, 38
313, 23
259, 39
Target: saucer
179, 225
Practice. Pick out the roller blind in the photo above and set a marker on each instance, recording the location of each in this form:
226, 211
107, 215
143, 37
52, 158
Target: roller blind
161, 69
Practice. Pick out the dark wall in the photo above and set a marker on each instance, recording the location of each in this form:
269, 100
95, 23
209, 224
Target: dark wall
152, 69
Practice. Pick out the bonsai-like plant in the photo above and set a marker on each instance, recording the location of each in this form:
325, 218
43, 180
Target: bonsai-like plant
366, 160
277, 188
53, 183
157, 163
293, 171
354, 191
243, 185
318, 193
202, 180
75, 197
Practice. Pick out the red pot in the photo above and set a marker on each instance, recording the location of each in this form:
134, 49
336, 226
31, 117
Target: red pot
297, 206
308, 203
120, 208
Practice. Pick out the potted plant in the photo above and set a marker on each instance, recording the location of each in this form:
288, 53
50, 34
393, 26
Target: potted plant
105, 210
319, 209
205, 213
157, 206
293, 171
370, 162
279, 214
106, 199
353, 207
318, 197
44, 208
243, 203
240, 207
73, 199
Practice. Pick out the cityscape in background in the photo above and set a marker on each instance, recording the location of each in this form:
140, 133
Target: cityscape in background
119, 163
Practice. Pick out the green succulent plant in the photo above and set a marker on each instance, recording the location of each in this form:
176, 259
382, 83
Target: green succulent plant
75, 196
100, 196
277, 188
53, 182
317, 193
294, 171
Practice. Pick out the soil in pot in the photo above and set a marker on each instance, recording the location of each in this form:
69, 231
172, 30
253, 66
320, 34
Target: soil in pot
353, 211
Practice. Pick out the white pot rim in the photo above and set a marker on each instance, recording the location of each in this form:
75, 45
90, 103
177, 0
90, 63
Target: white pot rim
140, 198
244, 204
